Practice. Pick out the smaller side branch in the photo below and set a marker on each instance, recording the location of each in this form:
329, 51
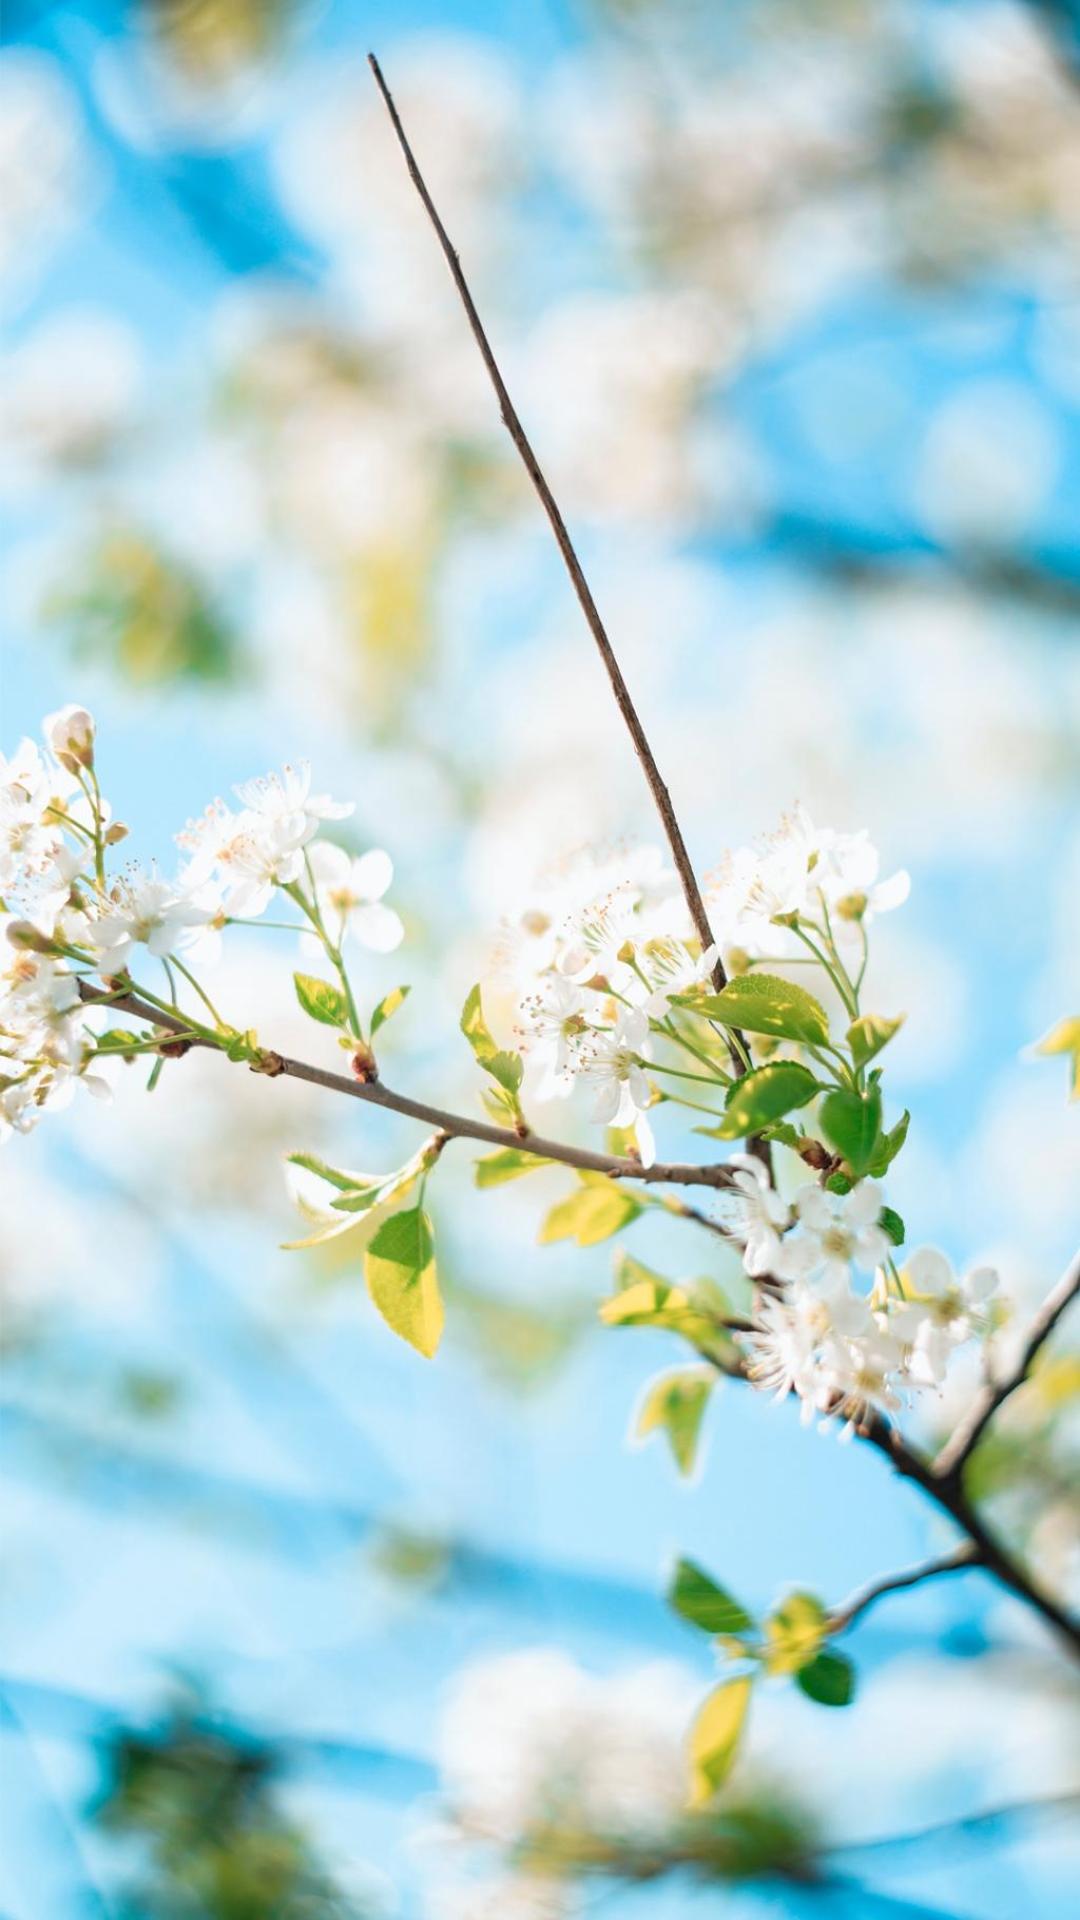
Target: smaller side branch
957, 1562
523, 445
958, 1449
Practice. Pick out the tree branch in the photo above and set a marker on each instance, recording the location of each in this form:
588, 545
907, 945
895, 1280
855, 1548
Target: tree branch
457, 1126
843, 1617
950, 1496
619, 688
956, 1452
985, 1550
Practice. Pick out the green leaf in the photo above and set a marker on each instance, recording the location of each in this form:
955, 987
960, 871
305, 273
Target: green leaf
507, 1068
323, 1002
359, 1194
699, 1600
867, 1035
851, 1123
590, 1214
829, 1679
794, 1632
765, 1095
1064, 1038
675, 1404
890, 1220
389, 1004
890, 1145
399, 1267
714, 1739
509, 1163
761, 1003
334, 1176
116, 1040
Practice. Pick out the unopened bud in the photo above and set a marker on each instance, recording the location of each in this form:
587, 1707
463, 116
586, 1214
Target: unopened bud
70, 734
599, 983
852, 906
364, 1066
26, 938
115, 834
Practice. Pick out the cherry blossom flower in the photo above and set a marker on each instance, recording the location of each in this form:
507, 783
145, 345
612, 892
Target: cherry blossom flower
612, 1067
762, 1214
276, 797
940, 1311
837, 1230
146, 911
349, 895
552, 1036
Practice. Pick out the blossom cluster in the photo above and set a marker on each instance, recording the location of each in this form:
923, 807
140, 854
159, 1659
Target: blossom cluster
602, 948
69, 919
849, 1347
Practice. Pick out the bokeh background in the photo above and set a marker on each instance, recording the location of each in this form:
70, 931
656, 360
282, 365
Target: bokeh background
789, 291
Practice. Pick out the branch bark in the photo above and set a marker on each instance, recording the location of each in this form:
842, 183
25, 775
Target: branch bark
456, 1125
587, 603
956, 1562
956, 1452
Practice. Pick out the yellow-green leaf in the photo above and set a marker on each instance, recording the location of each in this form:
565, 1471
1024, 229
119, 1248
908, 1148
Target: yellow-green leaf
714, 1739
1065, 1038
509, 1163
675, 1404
869, 1033
388, 1005
590, 1214
324, 1002
399, 1267
794, 1632
507, 1068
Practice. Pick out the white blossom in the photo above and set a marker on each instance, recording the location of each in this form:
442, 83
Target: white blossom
837, 1231
146, 911
552, 1034
762, 1214
612, 1068
940, 1311
349, 895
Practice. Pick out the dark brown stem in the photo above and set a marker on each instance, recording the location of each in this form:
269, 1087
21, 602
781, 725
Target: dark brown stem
988, 1553
957, 1562
958, 1449
589, 608
456, 1126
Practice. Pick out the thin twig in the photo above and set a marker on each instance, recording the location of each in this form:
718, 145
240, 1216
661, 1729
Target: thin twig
589, 608
958, 1449
964, 1556
458, 1126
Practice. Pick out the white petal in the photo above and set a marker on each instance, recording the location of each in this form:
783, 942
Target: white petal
330, 863
891, 893
929, 1271
813, 1208
377, 927
371, 874
606, 1102
863, 1204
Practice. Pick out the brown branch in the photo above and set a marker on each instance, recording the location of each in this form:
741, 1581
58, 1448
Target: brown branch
957, 1451
589, 608
455, 1125
989, 1554
985, 1550
957, 1562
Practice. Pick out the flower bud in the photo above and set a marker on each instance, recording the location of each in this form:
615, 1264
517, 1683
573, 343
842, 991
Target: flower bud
736, 961
26, 938
116, 833
852, 906
70, 734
